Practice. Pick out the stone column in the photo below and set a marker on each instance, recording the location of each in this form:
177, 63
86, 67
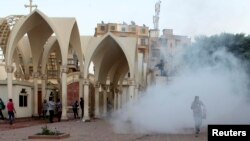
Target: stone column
131, 91
119, 101
136, 92
115, 100
131, 83
86, 100
9, 70
104, 103
80, 86
97, 105
64, 71
44, 76
35, 100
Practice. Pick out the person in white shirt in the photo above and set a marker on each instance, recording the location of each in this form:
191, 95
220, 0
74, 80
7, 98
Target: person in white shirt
198, 112
51, 109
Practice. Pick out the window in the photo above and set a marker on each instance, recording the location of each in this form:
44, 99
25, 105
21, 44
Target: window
164, 42
144, 41
133, 29
143, 30
102, 28
23, 98
123, 29
112, 27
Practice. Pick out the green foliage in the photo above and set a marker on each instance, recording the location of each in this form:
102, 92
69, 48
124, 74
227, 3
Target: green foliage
237, 44
46, 131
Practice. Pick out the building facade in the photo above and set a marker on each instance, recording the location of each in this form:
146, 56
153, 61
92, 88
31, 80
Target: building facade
163, 48
46, 57
141, 33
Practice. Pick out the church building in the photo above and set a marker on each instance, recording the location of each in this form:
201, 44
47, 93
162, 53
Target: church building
46, 57
43, 57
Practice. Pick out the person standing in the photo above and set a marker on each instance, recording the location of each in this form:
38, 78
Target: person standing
75, 107
109, 107
11, 110
59, 109
45, 108
198, 108
2, 107
51, 109
82, 105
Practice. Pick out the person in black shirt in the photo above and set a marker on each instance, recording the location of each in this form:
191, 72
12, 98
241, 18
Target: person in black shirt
75, 107
82, 105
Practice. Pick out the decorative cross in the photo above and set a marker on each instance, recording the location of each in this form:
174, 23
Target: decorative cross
30, 6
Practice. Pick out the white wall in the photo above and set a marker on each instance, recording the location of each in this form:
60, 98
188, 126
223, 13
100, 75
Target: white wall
125, 95
3, 74
20, 111
145, 66
23, 111
4, 97
140, 67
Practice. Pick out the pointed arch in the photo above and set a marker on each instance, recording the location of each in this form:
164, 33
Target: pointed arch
126, 45
76, 44
24, 26
51, 43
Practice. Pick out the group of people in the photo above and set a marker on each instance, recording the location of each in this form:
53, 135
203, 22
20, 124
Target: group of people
10, 108
56, 107
75, 106
52, 106
199, 111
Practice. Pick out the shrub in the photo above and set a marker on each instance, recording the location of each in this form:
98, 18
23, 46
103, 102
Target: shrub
46, 131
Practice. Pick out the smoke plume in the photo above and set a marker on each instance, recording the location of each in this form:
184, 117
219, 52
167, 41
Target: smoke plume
217, 76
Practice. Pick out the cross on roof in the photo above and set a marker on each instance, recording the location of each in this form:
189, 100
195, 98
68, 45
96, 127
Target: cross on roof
30, 6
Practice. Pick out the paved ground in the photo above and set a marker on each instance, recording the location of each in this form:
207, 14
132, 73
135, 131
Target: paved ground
96, 130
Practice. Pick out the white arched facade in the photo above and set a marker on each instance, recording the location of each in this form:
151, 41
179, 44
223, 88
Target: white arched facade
114, 58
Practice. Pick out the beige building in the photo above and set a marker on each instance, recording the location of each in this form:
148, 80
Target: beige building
43, 57
141, 33
164, 47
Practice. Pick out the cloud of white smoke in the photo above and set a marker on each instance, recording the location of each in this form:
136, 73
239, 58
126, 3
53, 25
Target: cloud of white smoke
218, 78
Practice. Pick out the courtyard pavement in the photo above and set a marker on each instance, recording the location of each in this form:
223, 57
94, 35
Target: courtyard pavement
96, 130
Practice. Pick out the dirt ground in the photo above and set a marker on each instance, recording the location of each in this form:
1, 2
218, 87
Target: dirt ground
96, 130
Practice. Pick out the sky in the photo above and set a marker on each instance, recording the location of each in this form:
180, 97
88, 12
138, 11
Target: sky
186, 17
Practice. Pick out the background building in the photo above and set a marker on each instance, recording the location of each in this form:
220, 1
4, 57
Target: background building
127, 30
163, 48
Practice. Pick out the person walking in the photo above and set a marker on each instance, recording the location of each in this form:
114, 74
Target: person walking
198, 112
51, 109
82, 105
59, 109
11, 110
45, 108
2, 107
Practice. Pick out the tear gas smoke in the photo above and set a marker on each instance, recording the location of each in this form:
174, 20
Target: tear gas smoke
218, 78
